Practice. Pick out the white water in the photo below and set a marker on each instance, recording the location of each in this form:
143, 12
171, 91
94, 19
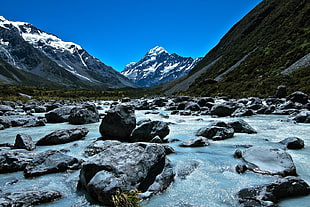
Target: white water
213, 183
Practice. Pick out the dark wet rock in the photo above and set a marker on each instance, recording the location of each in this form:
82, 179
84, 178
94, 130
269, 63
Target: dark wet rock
174, 112
19, 120
118, 123
126, 166
40, 109
222, 110
5, 108
142, 105
172, 140
299, 97
84, 114
1, 127
287, 105
51, 162
25, 198
58, 115
192, 107
165, 116
147, 131
63, 136
126, 100
24, 141
13, 160
241, 126
217, 130
293, 143
238, 154
281, 91
302, 117
266, 109
35, 123
241, 168
187, 168
160, 102
205, 101
196, 142
181, 99
242, 112
272, 193
268, 160
185, 113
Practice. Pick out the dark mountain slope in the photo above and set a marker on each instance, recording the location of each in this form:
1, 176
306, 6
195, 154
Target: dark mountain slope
250, 57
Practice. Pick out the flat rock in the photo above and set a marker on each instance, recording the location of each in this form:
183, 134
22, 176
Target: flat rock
63, 136
268, 160
58, 115
14, 160
272, 193
27, 198
51, 161
196, 142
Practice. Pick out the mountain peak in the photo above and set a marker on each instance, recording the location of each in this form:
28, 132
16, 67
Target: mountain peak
156, 51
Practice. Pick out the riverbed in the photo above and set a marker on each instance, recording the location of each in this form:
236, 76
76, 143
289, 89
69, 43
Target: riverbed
213, 183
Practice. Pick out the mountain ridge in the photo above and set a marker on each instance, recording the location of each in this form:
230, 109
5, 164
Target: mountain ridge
158, 66
28, 48
253, 54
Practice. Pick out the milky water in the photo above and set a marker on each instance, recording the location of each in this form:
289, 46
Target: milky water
213, 183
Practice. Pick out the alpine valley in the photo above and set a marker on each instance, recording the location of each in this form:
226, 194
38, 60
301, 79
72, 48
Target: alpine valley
30, 56
158, 66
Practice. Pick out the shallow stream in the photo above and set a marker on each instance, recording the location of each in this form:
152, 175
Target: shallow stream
213, 183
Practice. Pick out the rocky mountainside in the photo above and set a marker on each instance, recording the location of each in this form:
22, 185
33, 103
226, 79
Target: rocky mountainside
270, 46
158, 66
30, 49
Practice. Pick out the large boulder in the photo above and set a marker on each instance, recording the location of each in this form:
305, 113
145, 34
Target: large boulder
148, 130
63, 136
118, 123
196, 142
51, 161
272, 193
29, 198
24, 141
58, 115
241, 126
217, 130
124, 167
20, 120
293, 143
84, 114
222, 110
268, 160
299, 97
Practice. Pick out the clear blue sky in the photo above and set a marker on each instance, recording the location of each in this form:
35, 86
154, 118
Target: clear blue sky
122, 31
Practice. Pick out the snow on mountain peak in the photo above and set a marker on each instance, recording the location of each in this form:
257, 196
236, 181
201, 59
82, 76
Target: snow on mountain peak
156, 51
2, 18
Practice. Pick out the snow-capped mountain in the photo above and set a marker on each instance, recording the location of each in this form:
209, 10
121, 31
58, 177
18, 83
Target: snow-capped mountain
28, 48
158, 66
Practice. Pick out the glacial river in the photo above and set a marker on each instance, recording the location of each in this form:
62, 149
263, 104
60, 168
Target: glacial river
213, 183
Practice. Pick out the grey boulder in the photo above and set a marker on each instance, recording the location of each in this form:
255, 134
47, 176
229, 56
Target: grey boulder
24, 141
63, 136
126, 166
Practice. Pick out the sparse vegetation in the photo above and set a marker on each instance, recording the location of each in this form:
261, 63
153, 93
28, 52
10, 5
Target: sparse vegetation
126, 199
